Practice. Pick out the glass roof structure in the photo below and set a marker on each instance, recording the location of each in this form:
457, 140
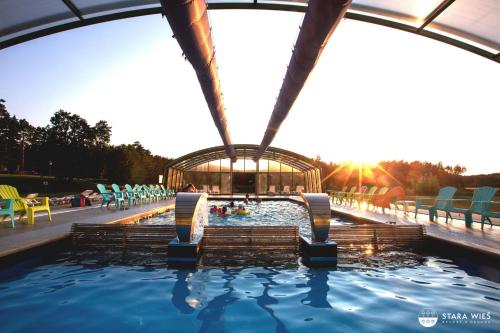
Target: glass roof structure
470, 25
285, 168
243, 151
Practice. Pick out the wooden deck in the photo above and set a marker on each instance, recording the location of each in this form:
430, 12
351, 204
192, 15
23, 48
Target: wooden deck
25, 236
454, 232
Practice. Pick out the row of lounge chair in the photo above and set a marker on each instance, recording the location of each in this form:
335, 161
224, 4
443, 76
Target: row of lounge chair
376, 197
480, 204
139, 194
214, 189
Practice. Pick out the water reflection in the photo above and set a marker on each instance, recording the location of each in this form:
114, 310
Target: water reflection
318, 289
189, 294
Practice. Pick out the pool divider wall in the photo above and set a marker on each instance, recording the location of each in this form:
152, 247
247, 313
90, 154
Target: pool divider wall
319, 251
191, 216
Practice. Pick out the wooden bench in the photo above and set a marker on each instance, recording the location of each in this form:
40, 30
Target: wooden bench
119, 237
377, 236
256, 237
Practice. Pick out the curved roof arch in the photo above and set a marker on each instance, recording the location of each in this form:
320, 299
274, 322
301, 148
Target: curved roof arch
470, 25
247, 151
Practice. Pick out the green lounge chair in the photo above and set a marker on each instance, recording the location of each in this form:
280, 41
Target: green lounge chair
170, 192
131, 196
119, 196
487, 212
106, 195
335, 195
147, 193
155, 191
162, 192
141, 194
358, 196
8, 210
345, 197
481, 196
441, 202
165, 192
21, 204
367, 196
150, 192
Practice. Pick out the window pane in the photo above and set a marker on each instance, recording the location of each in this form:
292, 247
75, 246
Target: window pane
250, 166
274, 166
262, 183
214, 166
239, 166
225, 165
225, 183
263, 165
286, 181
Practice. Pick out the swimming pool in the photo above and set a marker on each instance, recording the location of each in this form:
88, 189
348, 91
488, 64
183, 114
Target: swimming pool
276, 213
63, 295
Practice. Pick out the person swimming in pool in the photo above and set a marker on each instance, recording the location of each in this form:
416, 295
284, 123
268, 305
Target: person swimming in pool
223, 212
247, 199
214, 209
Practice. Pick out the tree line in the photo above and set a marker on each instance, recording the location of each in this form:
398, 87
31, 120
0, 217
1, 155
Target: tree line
69, 147
417, 177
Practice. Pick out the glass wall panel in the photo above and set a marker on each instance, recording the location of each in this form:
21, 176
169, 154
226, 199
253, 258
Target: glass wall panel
213, 179
285, 168
298, 179
274, 166
250, 166
239, 166
198, 179
263, 165
225, 183
286, 180
274, 179
225, 165
262, 181
202, 167
214, 166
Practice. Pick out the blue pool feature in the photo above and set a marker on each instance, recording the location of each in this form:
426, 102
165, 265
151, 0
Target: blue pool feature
68, 296
275, 213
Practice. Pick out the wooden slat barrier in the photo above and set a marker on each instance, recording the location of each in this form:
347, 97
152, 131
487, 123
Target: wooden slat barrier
119, 237
257, 237
378, 236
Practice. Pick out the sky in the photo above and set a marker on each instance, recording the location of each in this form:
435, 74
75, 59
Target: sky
375, 94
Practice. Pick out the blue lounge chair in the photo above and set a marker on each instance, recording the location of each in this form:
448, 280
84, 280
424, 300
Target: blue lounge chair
7, 210
119, 197
481, 196
107, 196
488, 212
441, 202
131, 196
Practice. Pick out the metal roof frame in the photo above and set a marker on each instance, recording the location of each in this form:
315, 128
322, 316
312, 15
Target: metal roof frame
356, 12
248, 151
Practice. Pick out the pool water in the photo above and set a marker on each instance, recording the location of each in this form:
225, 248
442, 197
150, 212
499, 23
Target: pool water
64, 295
275, 213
